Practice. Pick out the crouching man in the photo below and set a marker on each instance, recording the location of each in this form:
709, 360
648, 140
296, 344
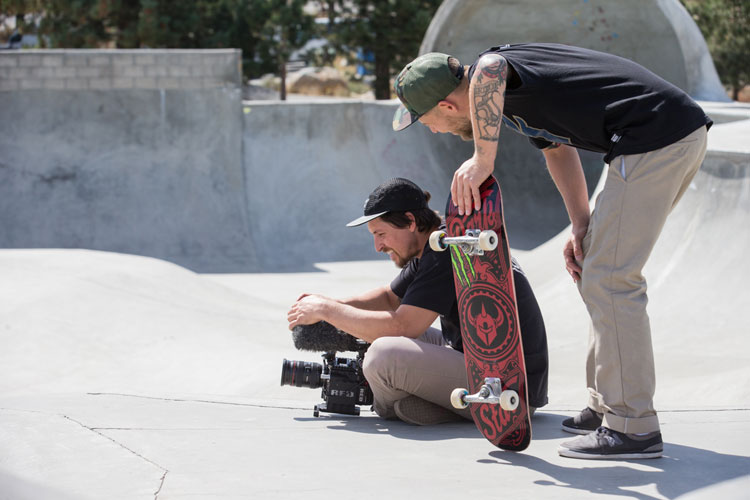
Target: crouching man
411, 366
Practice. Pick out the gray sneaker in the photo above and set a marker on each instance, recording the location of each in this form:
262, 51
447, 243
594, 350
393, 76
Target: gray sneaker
607, 444
416, 411
585, 422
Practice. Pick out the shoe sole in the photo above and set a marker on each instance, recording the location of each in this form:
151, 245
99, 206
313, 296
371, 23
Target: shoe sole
580, 432
565, 452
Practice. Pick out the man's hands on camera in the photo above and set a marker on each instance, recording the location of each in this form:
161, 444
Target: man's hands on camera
308, 309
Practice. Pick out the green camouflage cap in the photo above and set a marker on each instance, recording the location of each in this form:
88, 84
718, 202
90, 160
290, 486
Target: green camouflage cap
422, 84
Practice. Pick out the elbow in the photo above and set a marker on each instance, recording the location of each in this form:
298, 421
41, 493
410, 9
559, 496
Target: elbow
400, 327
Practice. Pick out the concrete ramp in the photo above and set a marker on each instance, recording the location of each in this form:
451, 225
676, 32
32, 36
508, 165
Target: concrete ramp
658, 34
130, 377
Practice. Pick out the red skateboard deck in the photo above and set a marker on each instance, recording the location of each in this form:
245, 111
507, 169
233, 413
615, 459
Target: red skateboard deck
489, 322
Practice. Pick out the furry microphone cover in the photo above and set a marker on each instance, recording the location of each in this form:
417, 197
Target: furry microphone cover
324, 337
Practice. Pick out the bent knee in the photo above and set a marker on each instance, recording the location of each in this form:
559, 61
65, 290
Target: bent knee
382, 354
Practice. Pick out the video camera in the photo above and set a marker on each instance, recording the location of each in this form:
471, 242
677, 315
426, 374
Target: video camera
343, 382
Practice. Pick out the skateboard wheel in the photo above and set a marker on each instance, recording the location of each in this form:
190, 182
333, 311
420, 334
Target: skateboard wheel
457, 398
436, 241
509, 400
488, 240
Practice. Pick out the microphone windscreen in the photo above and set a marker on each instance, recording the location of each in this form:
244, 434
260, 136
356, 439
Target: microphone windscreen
323, 337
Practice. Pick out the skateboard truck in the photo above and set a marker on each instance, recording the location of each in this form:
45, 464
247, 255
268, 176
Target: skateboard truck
490, 393
474, 242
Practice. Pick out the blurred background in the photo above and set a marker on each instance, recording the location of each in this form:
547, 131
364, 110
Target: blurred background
342, 48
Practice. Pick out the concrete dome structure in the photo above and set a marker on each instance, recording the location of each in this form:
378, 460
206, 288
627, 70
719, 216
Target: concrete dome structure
658, 34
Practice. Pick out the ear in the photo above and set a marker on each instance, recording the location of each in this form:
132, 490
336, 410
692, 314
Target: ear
412, 222
447, 105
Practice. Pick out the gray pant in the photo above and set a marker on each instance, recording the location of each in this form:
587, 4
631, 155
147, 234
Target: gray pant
639, 193
397, 367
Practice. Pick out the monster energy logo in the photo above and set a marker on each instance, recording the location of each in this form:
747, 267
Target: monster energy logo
462, 266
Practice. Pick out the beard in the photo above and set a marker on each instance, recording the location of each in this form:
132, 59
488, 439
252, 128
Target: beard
400, 261
462, 128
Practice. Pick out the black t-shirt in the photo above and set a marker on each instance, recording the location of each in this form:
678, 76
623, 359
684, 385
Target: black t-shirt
592, 100
427, 282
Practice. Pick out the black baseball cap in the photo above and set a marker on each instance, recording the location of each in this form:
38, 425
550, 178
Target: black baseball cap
395, 195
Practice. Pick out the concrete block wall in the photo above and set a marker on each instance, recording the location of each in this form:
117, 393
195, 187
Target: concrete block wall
119, 69
132, 151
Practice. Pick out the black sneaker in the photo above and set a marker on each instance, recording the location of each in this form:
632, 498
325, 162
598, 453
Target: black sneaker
607, 444
416, 411
583, 423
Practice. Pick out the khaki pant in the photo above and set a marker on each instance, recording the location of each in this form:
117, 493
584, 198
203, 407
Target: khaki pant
639, 193
397, 367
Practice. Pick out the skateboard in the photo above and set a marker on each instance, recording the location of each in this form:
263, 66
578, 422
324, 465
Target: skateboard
495, 367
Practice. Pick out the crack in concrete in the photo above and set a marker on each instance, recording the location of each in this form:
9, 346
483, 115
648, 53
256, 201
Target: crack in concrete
161, 485
204, 401
97, 432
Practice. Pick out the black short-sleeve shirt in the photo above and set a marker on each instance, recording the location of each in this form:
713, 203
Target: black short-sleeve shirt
592, 100
427, 282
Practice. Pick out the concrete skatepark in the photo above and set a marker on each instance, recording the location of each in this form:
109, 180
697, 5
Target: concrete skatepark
148, 266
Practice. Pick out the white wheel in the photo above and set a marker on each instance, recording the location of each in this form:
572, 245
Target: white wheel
436, 241
488, 240
509, 400
457, 398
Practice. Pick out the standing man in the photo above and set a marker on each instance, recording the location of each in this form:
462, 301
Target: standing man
653, 137
412, 367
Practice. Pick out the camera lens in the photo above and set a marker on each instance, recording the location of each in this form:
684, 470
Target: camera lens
301, 374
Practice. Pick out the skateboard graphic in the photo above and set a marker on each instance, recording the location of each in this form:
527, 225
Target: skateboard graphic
495, 367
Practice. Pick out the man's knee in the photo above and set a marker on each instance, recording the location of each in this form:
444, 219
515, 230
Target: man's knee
628, 284
380, 357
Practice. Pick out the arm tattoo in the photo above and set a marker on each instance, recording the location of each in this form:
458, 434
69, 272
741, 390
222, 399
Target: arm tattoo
490, 79
554, 145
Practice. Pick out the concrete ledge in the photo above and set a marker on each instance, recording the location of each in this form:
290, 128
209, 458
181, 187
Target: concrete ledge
74, 69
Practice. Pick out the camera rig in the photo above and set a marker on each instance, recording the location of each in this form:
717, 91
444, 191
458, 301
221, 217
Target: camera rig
344, 387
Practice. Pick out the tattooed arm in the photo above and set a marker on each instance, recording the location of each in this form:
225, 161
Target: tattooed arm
486, 100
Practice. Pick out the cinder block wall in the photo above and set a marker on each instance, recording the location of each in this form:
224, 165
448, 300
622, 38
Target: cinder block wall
133, 151
119, 69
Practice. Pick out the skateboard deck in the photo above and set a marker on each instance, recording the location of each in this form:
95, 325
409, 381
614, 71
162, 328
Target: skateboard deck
497, 395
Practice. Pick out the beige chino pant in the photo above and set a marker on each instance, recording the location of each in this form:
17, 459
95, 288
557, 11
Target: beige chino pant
397, 367
639, 193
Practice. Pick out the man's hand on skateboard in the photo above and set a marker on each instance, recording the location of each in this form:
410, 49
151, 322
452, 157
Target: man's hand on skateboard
466, 182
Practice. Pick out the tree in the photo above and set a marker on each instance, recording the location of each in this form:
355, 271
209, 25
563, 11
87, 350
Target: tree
725, 25
75, 24
391, 30
286, 29
266, 30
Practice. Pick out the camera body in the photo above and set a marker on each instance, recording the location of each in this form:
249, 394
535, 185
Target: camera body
344, 387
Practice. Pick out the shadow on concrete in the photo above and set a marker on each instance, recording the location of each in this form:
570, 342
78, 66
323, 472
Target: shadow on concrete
674, 474
545, 426
19, 488
396, 428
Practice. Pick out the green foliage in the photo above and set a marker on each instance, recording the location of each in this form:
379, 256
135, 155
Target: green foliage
391, 30
725, 25
266, 30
